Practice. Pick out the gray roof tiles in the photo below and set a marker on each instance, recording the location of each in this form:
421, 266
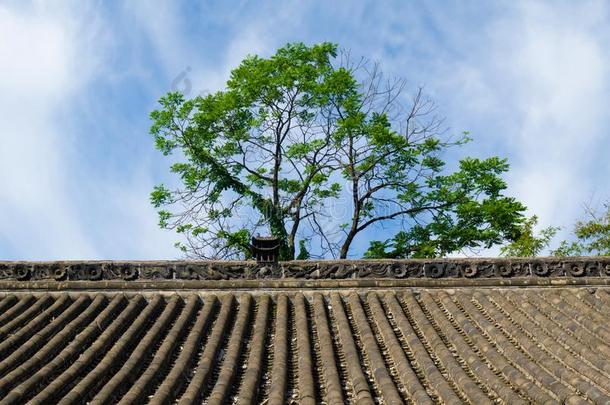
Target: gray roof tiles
421, 345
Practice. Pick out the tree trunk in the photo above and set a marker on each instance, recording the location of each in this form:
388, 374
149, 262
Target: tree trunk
286, 252
355, 200
292, 238
347, 243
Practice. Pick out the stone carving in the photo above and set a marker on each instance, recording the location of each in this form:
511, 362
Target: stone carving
58, 272
434, 270
93, 272
540, 269
576, 269
22, 271
157, 272
471, 271
503, 269
329, 269
5, 271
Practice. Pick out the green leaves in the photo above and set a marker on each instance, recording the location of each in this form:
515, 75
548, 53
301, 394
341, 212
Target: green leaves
528, 244
238, 240
259, 143
462, 210
164, 217
592, 235
303, 252
160, 196
293, 134
166, 121
294, 67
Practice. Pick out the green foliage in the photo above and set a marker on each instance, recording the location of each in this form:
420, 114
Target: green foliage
303, 252
293, 133
239, 240
528, 244
466, 210
160, 196
258, 143
592, 236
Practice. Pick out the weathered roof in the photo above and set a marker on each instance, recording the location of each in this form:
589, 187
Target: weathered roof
479, 268
422, 340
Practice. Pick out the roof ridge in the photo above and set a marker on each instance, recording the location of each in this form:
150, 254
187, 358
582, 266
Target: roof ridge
469, 268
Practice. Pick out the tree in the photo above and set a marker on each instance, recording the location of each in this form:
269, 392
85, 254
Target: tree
592, 235
528, 244
294, 135
303, 252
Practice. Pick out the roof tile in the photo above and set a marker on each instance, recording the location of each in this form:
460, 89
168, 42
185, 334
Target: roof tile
349, 345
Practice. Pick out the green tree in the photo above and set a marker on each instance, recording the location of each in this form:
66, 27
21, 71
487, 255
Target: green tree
592, 235
528, 244
303, 252
293, 135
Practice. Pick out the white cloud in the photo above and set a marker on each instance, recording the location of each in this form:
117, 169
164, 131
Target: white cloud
52, 206
536, 81
39, 72
558, 71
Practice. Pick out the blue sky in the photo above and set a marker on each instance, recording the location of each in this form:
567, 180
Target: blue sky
528, 79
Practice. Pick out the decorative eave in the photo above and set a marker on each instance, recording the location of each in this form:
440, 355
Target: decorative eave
479, 268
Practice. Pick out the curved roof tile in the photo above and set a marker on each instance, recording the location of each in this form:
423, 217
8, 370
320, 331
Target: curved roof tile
539, 340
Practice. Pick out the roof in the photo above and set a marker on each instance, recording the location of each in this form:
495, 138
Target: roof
517, 339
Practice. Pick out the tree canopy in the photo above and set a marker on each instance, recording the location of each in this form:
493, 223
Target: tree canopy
315, 148
592, 235
530, 244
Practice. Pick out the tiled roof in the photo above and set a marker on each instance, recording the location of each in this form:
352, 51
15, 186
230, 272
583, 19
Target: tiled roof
354, 342
478, 268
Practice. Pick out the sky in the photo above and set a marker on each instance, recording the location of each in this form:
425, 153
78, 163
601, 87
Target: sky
78, 80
